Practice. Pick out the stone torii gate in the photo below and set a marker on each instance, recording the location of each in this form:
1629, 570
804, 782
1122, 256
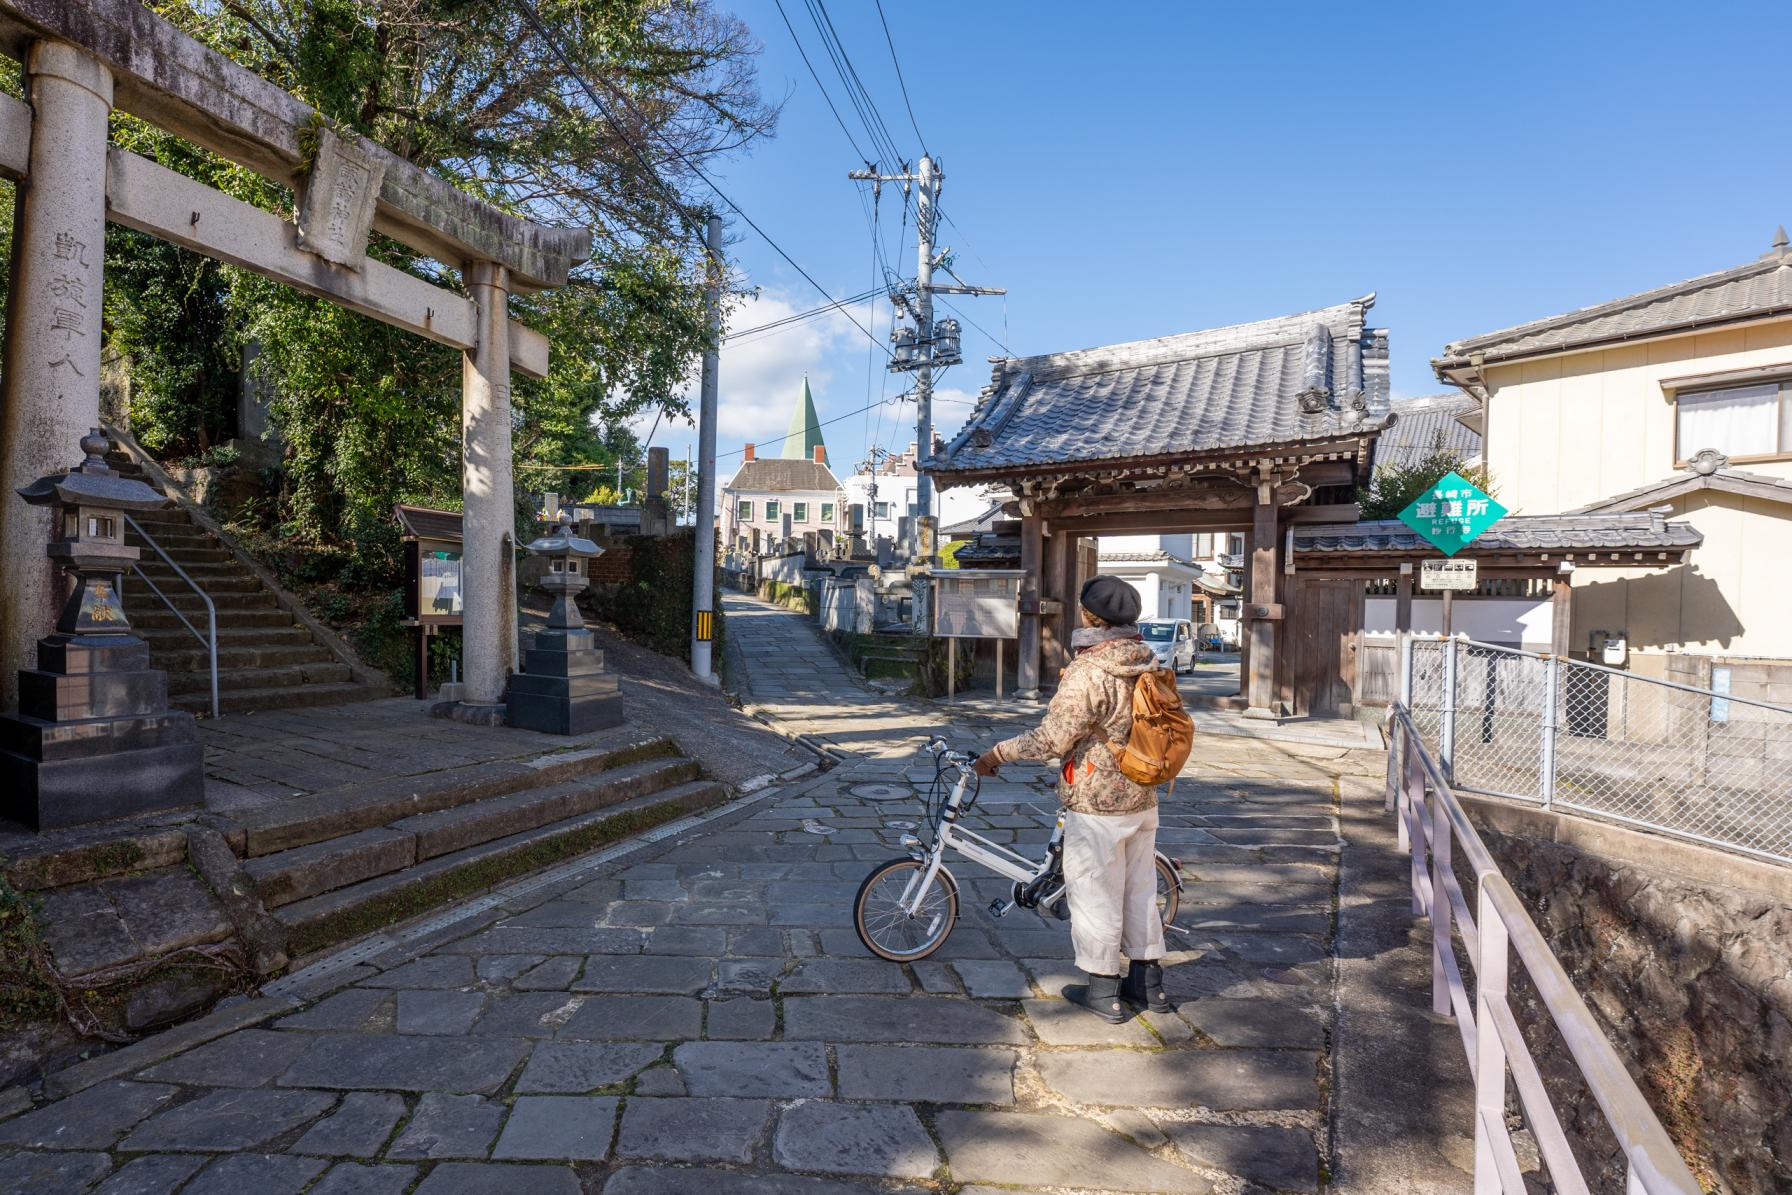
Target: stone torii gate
82, 58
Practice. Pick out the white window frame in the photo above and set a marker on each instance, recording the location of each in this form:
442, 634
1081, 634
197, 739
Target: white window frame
743, 510
773, 510
827, 513
799, 512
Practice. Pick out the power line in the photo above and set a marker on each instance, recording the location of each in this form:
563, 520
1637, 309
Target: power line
849, 77
805, 315
900, 82
534, 19
851, 140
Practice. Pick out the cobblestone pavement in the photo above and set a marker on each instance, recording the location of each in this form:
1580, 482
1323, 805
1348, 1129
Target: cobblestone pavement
700, 1017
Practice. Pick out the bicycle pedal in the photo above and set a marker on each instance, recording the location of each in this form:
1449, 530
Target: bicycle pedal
998, 909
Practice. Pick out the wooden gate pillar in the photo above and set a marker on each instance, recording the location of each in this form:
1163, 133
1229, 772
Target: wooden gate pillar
1261, 608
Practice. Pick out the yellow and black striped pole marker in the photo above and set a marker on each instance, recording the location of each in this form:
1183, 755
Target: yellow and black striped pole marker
706, 626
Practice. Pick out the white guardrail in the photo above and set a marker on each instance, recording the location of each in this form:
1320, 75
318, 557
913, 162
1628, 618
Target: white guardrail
1432, 825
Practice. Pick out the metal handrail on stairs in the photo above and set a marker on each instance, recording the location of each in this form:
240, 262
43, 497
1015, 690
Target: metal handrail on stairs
211, 612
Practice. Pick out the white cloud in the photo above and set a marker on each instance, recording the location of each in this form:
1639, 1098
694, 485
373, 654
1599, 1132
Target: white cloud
761, 375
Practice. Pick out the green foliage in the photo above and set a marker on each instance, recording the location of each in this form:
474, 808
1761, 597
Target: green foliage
25, 996
370, 415
1393, 488
949, 553
654, 607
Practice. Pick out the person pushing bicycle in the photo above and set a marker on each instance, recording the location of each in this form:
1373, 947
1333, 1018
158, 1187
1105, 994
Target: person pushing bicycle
1110, 821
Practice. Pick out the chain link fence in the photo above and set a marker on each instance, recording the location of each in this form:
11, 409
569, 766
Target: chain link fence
1566, 734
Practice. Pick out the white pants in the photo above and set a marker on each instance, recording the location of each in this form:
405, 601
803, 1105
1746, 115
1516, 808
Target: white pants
1110, 869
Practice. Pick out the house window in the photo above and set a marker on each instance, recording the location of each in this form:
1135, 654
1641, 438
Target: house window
746, 511
1738, 421
827, 513
799, 512
771, 510
882, 510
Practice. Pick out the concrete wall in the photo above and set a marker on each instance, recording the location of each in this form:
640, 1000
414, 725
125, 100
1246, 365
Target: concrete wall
1572, 430
1684, 955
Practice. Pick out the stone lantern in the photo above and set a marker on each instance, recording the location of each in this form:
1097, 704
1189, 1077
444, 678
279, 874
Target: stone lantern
563, 688
93, 738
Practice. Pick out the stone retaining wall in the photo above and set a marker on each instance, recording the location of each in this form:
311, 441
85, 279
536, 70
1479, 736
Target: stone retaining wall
1684, 954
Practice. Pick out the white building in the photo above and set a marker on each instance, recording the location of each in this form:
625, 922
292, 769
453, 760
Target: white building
1188, 575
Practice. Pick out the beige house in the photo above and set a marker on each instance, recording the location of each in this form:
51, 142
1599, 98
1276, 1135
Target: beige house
770, 500
1676, 398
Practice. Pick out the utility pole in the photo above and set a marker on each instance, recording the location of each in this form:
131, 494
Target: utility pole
703, 582
928, 345
925, 194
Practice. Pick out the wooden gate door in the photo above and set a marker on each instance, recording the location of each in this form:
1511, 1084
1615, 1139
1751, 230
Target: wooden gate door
1324, 621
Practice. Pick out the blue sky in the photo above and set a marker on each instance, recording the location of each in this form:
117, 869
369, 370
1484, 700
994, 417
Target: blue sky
1129, 171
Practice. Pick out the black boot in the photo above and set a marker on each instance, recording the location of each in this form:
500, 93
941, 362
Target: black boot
1101, 996
1143, 987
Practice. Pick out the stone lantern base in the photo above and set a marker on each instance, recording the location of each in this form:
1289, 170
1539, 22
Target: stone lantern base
94, 739
563, 688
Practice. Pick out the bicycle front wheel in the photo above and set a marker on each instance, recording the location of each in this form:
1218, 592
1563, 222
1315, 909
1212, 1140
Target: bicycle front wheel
881, 914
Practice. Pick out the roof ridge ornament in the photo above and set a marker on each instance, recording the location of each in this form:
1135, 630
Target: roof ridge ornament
1316, 370
1707, 461
1782, 248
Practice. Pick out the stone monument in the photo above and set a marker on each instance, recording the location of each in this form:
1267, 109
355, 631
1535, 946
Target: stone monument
563, 688
94, 737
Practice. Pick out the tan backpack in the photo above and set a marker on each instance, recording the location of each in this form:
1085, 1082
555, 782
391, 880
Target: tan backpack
1162, 732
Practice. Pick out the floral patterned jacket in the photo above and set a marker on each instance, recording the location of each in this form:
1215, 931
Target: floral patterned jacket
1092, 707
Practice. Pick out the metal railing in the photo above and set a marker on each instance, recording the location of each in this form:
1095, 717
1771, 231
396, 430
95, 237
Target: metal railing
210, 641
1708, 766
1432, 824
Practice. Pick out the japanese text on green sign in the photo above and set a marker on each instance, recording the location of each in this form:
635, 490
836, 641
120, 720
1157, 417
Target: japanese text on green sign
1452, 512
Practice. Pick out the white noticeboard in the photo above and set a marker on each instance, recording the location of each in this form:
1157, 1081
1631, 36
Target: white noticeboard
977, 603
1447, 574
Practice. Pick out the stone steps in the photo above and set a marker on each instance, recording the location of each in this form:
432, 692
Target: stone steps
246, 658
316, 922
275, 697
331, 813
178, 638
302, 872
235, 680
158, 617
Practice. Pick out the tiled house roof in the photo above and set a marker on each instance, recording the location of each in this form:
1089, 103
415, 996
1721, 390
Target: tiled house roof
1424, 425
773, 475
1641, 531
1318, 375
1707, 471
1748, 291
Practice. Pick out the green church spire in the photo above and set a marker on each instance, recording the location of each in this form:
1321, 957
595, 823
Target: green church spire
804, 436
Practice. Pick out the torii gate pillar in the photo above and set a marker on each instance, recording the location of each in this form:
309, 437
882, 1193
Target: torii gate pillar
52, 349
488, 585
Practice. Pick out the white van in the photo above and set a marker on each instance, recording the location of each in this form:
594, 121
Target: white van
1173, 639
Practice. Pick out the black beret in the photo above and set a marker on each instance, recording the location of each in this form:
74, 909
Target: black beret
1111, 600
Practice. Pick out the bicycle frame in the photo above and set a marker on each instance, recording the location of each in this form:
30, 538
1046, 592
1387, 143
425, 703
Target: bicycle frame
947, 833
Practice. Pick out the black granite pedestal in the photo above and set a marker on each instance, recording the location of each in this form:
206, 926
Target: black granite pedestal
93, 738
563, 688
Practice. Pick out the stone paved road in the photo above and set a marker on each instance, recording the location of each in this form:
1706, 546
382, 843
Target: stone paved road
702, 1018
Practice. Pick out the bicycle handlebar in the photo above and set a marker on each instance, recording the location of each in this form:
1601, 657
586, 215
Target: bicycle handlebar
937, 747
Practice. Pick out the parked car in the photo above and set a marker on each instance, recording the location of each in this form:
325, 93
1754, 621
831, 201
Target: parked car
1173, 639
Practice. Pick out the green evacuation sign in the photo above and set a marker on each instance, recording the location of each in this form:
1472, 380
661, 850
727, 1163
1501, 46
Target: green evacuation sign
1452, 512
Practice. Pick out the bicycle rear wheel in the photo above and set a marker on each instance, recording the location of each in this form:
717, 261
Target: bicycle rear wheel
1169, 895
885, 925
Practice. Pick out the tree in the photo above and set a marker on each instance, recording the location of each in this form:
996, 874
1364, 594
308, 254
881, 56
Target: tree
477, 93
1392, 488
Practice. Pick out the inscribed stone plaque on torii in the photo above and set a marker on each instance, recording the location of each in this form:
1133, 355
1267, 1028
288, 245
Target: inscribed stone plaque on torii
337, 206
1451, 512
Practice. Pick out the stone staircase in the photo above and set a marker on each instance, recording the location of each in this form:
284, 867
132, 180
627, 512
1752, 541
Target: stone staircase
266, 660
340, 863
